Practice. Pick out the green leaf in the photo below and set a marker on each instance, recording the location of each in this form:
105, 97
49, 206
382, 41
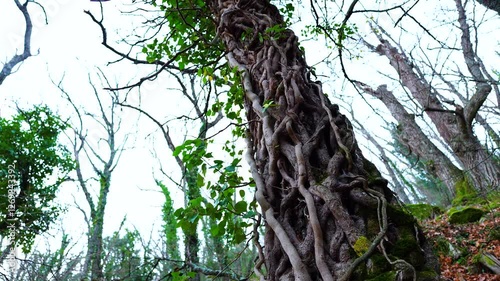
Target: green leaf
200, 180
240, 207
178, 150
230, 168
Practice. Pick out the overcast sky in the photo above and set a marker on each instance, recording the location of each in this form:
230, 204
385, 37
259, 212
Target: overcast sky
70, 45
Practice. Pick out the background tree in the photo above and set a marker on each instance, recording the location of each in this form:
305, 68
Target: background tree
58, 263
409, 134
203, 97
452, 115
429, 185
96, 184
34, 165
198, 94
123, 259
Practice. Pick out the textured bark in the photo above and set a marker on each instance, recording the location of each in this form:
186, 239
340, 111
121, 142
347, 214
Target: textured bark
191, 240
454, 126
93, 259
410, 134
326, 208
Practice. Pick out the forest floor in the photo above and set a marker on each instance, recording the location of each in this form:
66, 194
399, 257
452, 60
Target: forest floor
467, 243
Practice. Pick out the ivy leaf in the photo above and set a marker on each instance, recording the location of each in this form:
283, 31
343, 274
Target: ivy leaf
240, 207
230, 168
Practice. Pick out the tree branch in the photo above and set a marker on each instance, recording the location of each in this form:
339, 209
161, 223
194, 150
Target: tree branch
8, 67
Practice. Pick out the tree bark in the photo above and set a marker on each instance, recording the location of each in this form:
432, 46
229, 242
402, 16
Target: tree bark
410, 134
326, 208
17, 59
454, 126
191, 240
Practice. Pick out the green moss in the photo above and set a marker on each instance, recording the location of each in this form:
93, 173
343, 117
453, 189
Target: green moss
466, 194
429, 275
445, 248
377, 264
494, 233
403, 246
408, 249
361, 245
423, 211
399, 217
386, 276
464, 215
493, 199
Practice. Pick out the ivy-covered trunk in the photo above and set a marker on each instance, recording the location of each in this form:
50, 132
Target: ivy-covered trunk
191, 240
95, 250
329, 215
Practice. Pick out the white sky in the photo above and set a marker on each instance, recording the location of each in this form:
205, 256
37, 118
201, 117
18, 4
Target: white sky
70, 45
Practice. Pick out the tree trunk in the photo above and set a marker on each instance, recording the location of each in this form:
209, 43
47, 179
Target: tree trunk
191, 240
329, 215
95, 250
93, 260
410, 134
455, 127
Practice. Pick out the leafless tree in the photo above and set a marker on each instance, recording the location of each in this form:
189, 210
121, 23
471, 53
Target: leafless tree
452, 117
103, 154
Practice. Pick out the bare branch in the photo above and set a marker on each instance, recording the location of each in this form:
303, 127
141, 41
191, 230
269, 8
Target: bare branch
483, 89
17, 59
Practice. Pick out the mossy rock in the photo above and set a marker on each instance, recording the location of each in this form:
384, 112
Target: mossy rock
407, 248
399, 217
466, 195
444, 247
376, 265
424, 211
464, 215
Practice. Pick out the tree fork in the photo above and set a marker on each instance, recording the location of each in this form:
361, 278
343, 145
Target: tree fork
328, 213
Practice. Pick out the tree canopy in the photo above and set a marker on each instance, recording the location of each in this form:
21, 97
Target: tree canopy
34, 165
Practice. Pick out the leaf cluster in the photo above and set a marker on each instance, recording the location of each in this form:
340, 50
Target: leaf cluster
191, 35
33, 164
227, 206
